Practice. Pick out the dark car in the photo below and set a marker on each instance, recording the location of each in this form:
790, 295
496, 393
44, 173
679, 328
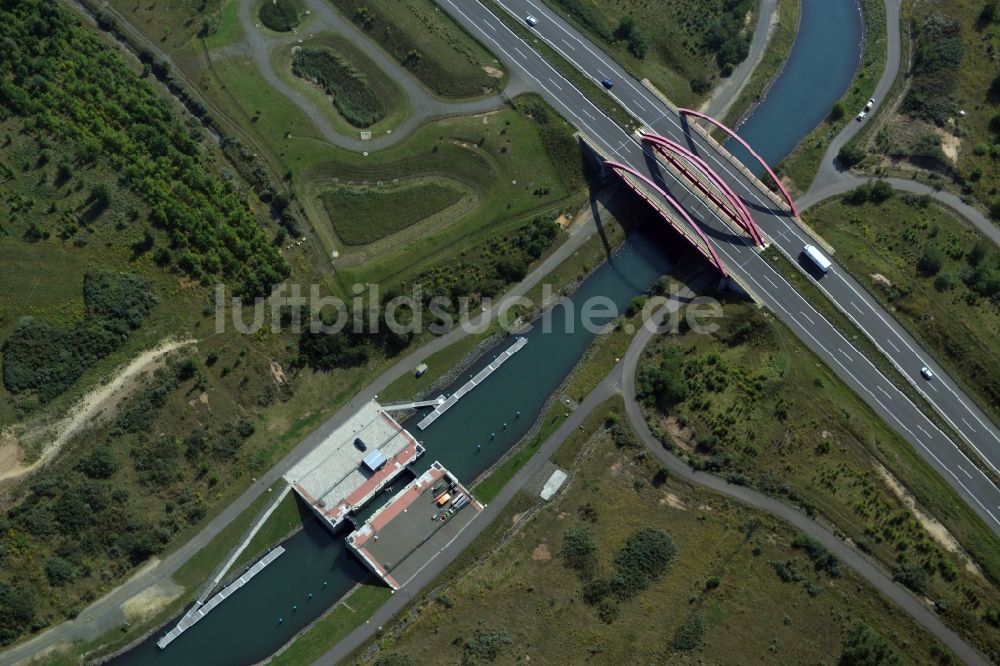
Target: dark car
359, 445
607, 83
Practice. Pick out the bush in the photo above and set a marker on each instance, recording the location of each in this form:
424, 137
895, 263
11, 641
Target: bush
280, 15
100, 464
59, 571
690, 635
837, 112
354, 98
822, 559
485, 645
43, 358
17, 612
850, 155
912, 575
863, 646
930, 261
579, 550
645, 557
394, 659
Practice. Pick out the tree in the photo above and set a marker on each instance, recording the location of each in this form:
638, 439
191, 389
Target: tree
930, 261
850, 155
837, 112
100, 464
579, 549
863, 646
59, 571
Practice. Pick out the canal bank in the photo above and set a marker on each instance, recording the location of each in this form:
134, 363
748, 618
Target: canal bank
473, 436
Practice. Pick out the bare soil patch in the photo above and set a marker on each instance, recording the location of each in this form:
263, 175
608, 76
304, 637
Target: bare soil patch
97, 404
937, 531
541, 553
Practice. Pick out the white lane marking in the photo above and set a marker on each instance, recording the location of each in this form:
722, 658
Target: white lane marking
846, 355
887, 395
808, 318
855, 305
898, 350
964, 472
520, 53
567, 44
490, 26
922, 430
770, 281
752, 190
968, 424
555, 84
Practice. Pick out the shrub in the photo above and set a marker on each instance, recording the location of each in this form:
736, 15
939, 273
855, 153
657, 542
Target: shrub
838, 111
394, 659
646, 556
280, 15
100, 464
579, 549
354, 98
17, 612
850, 155
485, 645
59, 571
822, 559
912, 575
863, 646
690, 635
930, 261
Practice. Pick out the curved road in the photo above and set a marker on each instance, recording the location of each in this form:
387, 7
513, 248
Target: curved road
831, 180
260, 44
621, 381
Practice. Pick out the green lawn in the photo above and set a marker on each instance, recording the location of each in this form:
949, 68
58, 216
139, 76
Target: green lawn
364, 215
523, 602
953, 320
426, 41
335, 625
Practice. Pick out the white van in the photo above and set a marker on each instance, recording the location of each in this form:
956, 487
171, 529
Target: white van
817, 258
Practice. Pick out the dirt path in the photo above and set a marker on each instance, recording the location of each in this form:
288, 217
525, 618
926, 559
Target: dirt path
103, 398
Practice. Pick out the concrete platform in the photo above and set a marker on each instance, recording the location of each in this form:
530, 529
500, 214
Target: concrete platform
403, 536
334, 479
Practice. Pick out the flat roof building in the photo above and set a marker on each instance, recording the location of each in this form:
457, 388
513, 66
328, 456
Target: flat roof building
399, 539
353, 463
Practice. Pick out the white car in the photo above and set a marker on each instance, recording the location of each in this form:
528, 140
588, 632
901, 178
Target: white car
861, 116
870, 104
531, 20
926, 373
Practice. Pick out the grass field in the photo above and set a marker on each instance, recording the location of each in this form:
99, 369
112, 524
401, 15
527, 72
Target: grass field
682, 47
945, 314
523, 602
427, 42
364, 215
756, 407
799, 168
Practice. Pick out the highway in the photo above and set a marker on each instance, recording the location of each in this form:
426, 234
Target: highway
744, 261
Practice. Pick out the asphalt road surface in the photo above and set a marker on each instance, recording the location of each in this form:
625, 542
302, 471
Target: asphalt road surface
621, 382
743, 260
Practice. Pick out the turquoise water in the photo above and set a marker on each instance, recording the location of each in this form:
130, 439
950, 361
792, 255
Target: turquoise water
246, 627
820, 67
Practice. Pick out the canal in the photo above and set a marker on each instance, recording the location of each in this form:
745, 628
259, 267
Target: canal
317, 569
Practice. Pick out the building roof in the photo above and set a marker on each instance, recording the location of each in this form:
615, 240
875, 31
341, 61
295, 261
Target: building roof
338, 477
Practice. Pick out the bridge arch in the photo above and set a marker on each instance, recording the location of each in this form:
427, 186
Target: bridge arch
777, 181
664, 145
617, 167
